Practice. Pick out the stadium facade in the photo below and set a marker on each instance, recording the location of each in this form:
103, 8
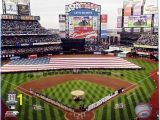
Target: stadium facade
22, 34
83, 20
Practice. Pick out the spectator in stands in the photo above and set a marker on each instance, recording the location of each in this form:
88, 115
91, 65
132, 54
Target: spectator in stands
29, 39
31, 50
91, 45
148, 39
22, 27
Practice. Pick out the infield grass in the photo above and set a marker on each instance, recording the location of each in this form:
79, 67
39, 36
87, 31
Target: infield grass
62, 92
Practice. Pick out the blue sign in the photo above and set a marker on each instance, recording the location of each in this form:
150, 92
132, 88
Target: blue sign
104, 34
83, 12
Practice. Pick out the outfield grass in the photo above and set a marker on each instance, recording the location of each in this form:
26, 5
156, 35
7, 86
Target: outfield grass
142, 93
10, 81
62, 92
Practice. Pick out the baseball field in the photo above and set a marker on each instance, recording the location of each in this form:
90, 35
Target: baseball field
95, 83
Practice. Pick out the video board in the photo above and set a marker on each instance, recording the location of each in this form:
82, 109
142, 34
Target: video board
82, 19
140, 21
83, 23
23, 10
81, 26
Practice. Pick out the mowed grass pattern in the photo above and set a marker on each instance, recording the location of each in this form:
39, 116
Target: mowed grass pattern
145, 87
142, 93
11, 81
62, 92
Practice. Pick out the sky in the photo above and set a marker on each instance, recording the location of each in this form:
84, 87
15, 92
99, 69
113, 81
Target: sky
48, 10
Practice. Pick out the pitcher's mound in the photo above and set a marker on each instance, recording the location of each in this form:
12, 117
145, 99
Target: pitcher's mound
78, 116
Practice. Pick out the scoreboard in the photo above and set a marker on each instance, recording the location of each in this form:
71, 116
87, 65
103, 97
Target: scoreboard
83, 20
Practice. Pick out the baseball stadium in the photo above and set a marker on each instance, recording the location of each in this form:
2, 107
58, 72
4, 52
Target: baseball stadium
83, 71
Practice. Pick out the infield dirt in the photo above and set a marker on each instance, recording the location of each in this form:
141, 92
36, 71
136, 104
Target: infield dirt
51, 81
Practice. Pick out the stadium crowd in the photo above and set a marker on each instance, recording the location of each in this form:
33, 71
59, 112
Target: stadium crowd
148, 39
8, 25
30, 32
93, 46
22, 27
18, 32
30, 39
27, 50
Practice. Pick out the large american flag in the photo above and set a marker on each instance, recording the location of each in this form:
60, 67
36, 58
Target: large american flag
74, 63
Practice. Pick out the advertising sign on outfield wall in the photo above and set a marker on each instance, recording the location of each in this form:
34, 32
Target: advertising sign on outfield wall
140, 21
24, 2
127, 11
83, 19
150, 9
119, 22
137, 10
79, 5
11, 7
23, 9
